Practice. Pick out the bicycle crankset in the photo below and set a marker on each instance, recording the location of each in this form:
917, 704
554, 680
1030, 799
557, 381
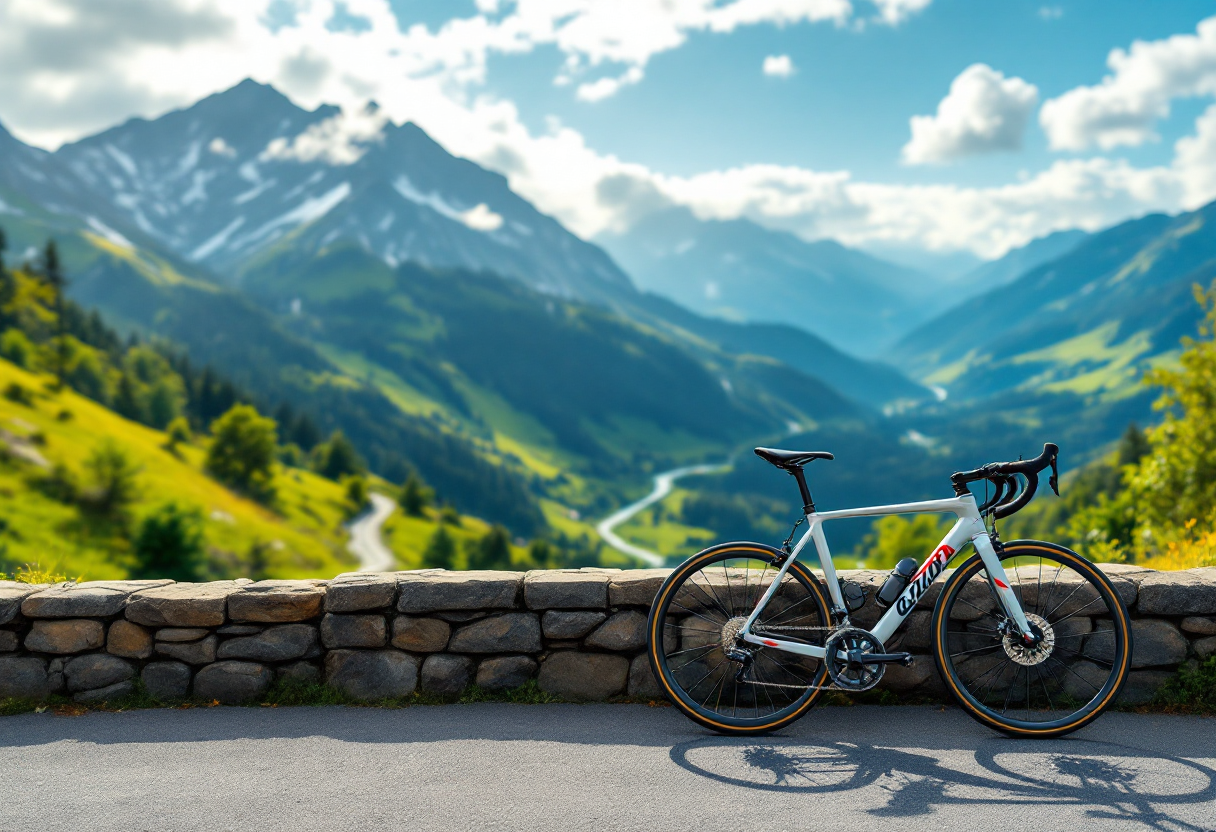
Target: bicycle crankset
856, 659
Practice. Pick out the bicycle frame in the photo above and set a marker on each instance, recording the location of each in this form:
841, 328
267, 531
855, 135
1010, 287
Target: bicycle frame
968, 529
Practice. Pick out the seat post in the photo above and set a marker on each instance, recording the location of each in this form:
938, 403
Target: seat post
808, 504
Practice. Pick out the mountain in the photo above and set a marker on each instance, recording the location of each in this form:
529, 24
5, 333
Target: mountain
739, 271
1016, 262
1088, 322
245, 174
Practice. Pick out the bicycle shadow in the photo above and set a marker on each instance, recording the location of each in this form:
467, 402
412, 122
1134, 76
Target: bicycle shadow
1112, 782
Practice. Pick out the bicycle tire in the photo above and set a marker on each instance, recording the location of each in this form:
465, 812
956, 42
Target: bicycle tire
1072, 653
669, 604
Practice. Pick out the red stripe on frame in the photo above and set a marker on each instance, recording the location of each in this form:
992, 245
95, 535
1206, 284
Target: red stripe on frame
770, 643
1000, 583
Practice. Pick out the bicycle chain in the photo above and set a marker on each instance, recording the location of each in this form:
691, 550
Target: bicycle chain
793, 687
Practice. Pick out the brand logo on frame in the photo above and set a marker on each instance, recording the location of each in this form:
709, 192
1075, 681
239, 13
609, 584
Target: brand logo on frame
923, 578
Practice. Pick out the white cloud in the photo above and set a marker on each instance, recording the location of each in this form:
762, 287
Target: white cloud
432, 78
778, 66
1124, 107
894, 12
984, 112
339, 140
606, 87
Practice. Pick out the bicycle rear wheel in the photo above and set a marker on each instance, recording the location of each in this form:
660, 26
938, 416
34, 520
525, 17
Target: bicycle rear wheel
1050, 689
695, 617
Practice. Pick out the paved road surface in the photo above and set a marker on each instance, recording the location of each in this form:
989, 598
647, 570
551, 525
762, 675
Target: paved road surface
365, 541
663, 483
594, 767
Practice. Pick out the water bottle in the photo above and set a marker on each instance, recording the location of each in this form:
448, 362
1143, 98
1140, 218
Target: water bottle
896, 582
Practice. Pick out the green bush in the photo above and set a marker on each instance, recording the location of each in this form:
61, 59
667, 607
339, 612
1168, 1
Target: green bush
354, 489
242, 451
19, 394
17, 348
440, 552
113, 486
415, 496
491, 551
169, 544
337, 458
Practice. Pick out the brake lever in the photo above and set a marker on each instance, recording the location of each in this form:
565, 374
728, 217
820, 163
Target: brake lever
1054, 479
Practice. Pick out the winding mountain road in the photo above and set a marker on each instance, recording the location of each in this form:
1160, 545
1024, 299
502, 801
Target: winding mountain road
365, 541
663, 484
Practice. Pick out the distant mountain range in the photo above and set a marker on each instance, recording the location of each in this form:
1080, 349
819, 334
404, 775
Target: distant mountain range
737, 270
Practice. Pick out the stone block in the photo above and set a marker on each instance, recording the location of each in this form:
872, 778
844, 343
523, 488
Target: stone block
54, 676
277, 601
560, 624
902, 679
1186, 592
642, 682
166, 680
1142, 685
1204, 648
1198, 625
358, 591
420, 635
1154, 643
192, 652
9, 641
274, 644
635, 587
372, 674
512, 632
12, 595
238, 630
446, 675
23, 677
91, 599
459, 617
65, 637
624, 631
472, 590
306, 672
584, 676
353, 631
182, 605
128, 640
916, 634
231, 682
96, 670
178, 634
505, 672
109, 693
546, 589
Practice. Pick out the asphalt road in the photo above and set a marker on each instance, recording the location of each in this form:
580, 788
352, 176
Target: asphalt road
365, 541
593, 767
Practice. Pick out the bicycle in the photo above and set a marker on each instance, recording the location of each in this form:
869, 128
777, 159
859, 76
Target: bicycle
749, 654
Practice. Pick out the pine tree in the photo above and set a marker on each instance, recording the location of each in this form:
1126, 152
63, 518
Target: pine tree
440, 552
492, 551
57, 282
415, 496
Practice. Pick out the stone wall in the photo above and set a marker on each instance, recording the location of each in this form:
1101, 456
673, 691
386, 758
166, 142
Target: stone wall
580, 633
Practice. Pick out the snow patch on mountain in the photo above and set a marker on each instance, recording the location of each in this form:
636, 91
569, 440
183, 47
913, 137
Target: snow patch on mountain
478, 218
109, 233
214, 243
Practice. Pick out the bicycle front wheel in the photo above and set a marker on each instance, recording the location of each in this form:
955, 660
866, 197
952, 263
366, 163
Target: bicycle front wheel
694, 620
1044, 690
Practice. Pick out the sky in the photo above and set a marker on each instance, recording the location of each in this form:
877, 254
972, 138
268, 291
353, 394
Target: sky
944, 126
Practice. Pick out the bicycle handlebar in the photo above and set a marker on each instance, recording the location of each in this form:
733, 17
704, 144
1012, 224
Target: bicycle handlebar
1003, 475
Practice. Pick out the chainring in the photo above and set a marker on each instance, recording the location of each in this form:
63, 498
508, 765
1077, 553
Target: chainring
845, 661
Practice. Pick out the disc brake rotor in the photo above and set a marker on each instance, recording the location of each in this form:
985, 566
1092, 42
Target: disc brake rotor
1028, 655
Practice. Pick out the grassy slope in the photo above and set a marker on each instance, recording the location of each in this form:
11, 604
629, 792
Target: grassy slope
305, 538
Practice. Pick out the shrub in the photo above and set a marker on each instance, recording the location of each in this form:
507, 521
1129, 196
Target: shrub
19, 394
337, 458
177, 433
415, 496
17, 348
169, 544
491, 551
440, 552
355, 490
113, 485
242, 451
449, 516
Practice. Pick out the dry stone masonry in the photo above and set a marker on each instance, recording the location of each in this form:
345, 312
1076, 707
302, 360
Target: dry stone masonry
579, 633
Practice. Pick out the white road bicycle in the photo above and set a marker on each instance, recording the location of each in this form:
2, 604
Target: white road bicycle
1029, 637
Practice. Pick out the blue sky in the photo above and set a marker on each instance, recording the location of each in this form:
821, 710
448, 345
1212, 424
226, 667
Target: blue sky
941, 126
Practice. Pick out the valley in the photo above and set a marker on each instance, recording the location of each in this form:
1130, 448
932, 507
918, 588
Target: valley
411, 300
